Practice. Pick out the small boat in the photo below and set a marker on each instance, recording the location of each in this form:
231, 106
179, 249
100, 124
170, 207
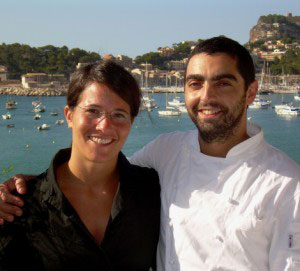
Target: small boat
297, 97
36, 103
281, 106
39, 108
260, 103
53, 113
289, 110
59, 122
6, 116
182, 109
169, 113
37, 116
176, 102
43, 127
148, 102
11, 104
10, 125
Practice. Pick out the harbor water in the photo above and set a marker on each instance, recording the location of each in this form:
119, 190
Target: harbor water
24, 149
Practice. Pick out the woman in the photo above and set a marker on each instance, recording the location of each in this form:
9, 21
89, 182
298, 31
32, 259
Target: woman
91, 209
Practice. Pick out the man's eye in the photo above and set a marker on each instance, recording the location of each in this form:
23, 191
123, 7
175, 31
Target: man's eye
223, 83
195, 84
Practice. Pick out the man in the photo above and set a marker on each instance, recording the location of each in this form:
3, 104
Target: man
229, 200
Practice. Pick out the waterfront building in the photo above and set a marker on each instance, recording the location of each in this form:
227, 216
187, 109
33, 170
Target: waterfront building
3, 73
32, 80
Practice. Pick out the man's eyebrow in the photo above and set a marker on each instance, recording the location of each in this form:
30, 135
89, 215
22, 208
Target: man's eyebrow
224, 76
195, 77
218, 77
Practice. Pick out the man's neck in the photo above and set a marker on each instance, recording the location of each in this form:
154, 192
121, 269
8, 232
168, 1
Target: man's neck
220, 148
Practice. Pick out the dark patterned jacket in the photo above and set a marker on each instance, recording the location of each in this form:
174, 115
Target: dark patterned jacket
51, 236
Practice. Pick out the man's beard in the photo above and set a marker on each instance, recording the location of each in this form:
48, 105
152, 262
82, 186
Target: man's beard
219, 130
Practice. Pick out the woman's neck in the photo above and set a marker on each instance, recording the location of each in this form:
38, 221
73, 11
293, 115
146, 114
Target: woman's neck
88, 174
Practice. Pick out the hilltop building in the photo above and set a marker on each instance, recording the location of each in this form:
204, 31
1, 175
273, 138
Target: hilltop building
166, 51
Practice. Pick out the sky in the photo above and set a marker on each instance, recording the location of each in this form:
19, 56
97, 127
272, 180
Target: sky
131, 27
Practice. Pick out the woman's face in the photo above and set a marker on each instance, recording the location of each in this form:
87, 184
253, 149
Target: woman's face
98, 138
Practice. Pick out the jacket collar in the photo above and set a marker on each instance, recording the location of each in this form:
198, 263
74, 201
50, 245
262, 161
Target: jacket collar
52, 194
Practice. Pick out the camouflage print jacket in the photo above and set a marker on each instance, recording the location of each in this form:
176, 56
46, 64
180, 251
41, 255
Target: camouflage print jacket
51, 236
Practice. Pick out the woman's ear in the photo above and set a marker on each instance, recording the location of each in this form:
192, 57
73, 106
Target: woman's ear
68, 112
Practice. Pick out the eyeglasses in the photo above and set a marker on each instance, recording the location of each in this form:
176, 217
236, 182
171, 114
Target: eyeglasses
116, 117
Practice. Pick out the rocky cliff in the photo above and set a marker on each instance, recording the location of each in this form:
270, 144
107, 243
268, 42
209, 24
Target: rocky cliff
277, 27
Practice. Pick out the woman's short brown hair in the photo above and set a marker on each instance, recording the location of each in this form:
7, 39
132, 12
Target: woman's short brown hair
109, 73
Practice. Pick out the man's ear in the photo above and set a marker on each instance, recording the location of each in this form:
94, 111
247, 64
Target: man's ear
68, 112
251, 92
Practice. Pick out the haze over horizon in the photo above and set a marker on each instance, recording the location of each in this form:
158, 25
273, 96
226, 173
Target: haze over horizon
131, 27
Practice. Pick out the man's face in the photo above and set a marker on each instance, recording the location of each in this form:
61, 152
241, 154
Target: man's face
216, 98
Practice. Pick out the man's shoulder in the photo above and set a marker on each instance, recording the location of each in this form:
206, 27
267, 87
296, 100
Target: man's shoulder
281, 163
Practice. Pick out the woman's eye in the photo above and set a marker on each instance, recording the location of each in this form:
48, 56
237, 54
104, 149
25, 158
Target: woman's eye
92, 111
119, 116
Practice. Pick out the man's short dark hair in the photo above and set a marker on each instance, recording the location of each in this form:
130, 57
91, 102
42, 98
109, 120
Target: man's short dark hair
232, 48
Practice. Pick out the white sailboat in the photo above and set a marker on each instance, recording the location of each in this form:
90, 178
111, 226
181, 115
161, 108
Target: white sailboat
147, 102
170, 111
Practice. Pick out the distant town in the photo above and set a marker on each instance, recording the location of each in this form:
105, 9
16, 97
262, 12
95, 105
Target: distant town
274, 44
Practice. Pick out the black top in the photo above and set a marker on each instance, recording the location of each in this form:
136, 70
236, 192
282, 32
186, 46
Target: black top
51, 236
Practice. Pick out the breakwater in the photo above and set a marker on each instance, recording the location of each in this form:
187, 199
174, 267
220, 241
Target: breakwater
20, 91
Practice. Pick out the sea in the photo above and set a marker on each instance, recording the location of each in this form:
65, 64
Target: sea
24, 149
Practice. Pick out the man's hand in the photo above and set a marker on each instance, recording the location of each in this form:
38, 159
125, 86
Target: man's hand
10, 204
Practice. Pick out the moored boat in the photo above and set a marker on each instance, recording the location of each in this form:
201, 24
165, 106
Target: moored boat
44, 126
6, 116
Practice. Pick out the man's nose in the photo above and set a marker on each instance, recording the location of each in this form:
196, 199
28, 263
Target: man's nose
207, 92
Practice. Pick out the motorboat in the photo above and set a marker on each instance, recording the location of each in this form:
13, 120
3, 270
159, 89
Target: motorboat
11, 104
37, 116
10, 125
176, 102
6, 116
260, 103
44, 126
289, 110
54, 113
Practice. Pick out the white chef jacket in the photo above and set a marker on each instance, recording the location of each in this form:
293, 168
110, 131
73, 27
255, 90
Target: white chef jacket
239, 213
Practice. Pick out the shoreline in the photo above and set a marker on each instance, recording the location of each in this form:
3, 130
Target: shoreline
20, 91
